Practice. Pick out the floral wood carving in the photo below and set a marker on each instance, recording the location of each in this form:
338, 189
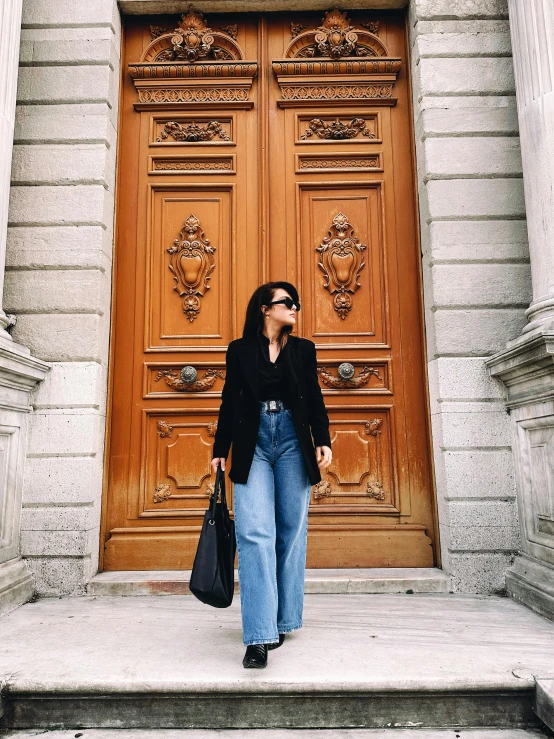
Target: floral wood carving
372, 27
162, 492
296, 28
336, 92
375, 490
192, 132
341, 263
156, 31
338, 383
322, 490
212, 428
337, 130
164, 429
193, 95
336, 38
210, 489
232, 30
192, 262
310, 162
173, 379
373, 427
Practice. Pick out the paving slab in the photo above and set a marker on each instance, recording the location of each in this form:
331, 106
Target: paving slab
360, 661
279, 734
329, 581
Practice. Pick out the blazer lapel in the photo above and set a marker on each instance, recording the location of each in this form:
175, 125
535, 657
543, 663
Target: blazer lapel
248, 358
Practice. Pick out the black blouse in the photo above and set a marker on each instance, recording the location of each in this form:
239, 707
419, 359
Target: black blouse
272, 375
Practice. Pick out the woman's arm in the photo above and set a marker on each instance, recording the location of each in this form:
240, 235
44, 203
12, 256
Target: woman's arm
317, 413
224, 432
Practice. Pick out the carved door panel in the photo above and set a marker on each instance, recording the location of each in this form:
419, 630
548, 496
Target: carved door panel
253, 148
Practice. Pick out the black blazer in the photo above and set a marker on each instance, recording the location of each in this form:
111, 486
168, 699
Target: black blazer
239, 414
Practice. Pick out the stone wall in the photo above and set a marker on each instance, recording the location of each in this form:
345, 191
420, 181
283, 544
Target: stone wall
475, 269
58, 278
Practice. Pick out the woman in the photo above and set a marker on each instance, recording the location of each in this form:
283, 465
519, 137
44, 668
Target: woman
270, 401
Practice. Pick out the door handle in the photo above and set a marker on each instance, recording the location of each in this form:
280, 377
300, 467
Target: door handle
189, 374
346, 371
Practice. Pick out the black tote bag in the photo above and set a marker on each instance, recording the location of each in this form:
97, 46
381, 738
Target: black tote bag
213, 578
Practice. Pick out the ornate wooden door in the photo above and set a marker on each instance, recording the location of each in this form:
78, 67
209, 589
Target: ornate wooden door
255, 148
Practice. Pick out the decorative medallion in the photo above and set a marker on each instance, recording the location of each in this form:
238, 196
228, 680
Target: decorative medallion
373, 427
192, 132
341, 263
177, 383
164, 429
322, 490
338, 383
162, 492
337, 130
375, 490
212, 428
192, 262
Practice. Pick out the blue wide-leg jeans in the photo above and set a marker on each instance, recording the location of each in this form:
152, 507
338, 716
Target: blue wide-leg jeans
271, 519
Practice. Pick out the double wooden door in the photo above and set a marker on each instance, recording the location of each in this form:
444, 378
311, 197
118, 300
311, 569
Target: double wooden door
260, 147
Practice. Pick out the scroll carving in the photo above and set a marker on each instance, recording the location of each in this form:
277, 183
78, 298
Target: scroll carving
173, 379
191, 262
210, 489
192, 132
375, 490
164, 429
162, 492
336, 38
373, 427
337, 130
296, 28
232, 30
193, 95
322, 490
338, 383
309, 162
341, 263
212, 428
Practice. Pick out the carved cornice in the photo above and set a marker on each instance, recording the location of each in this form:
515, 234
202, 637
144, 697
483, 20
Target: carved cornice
202, 70
288, 67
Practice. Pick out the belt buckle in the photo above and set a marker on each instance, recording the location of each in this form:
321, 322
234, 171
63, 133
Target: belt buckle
272, 406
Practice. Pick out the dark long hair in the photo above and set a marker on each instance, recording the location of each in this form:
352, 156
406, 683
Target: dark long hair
254, 321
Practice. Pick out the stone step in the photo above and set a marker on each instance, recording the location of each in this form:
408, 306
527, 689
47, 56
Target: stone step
279, 734
377, 580
361, 661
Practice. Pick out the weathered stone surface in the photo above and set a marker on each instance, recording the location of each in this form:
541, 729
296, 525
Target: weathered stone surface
64, 480
462, 38
451, 9
477, 156
59, 518
484, 539
37, 247
475, 425
67, 45
467, 116
452, 199
81, 84
63, 337
471, 76
64, 432
55, 576
478, 572
54, 543
480, 474
475, 332
60, 124
72, 385
481, 285
468, 514
478, 240
462, 378
56, 291
71, 205
63, 164
45, 13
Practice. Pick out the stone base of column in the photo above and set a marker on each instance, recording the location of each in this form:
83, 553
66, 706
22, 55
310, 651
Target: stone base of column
531, 582
16, 585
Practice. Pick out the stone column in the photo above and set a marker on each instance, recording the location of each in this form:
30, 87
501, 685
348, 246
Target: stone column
526, 366
19, 371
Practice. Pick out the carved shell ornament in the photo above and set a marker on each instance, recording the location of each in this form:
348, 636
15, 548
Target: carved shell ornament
341, 263
335, 38
192, 262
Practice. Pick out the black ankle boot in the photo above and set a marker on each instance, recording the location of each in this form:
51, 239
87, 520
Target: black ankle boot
256, 656
275, 646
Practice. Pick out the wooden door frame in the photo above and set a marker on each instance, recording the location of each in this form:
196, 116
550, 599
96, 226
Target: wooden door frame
215, 6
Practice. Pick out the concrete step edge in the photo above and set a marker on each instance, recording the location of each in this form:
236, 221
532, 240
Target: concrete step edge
366, 581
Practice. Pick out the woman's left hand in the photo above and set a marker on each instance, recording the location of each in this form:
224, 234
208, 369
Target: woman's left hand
324, 457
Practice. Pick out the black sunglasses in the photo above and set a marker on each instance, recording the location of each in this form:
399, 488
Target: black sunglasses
288, 302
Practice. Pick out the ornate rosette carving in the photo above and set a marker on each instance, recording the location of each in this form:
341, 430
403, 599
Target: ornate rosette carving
212, 428
375, 490
373, 427
162, 492
192, 262
164, 429
322, 490
192, 132
337, 130
341, 263
337, 383
175, 382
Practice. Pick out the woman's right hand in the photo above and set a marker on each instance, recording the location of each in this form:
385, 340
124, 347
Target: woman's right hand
216, 461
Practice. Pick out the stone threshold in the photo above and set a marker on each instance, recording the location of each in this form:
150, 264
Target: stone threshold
332, 582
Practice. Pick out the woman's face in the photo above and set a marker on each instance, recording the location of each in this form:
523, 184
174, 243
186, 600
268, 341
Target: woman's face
279, 313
